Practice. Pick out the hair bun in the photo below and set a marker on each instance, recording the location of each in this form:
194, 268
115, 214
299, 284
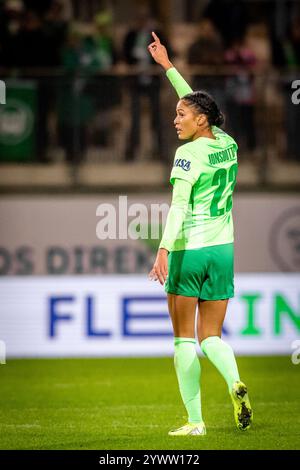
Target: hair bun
220, 119
204, 103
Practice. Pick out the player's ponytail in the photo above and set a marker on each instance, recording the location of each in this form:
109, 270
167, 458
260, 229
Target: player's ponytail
203, 103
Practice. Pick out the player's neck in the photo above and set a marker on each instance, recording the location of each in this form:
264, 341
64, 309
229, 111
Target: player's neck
204, 133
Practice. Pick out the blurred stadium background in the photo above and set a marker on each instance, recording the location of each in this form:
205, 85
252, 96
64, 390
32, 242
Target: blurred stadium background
89, 118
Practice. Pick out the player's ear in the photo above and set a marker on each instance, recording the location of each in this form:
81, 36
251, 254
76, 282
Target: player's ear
200, 119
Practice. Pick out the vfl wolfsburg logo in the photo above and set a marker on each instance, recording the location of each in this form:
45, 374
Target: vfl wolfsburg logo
16, 122
285, 240
182, 163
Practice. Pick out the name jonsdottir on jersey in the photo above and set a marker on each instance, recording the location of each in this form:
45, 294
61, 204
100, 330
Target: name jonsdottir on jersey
223, 156
182, 163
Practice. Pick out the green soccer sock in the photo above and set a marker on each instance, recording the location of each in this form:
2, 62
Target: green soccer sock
222, 357
188, 371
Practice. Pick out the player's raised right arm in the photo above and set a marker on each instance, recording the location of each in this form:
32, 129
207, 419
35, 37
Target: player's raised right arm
160, 55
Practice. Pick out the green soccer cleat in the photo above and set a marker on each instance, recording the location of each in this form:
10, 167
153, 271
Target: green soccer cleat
189, 429
243, 413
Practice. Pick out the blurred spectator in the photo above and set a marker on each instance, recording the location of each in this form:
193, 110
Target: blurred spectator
55, 27
230, 17
286, 50
93, 52
34, 46
40, 42
11, 13
75, 106
240, 93
105, 88
84, 92
208, 50
292, 45
292, 58
143, 84
104, 39
32, 36
41, 7
66, 11
286, 54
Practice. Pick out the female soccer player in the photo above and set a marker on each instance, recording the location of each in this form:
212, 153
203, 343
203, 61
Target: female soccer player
196, 253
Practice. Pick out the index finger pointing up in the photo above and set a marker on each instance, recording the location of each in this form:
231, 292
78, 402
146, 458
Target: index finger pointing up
155, 37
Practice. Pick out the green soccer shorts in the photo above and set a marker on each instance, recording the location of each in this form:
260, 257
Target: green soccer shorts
206, 273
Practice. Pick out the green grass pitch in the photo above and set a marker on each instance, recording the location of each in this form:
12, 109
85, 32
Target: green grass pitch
132, 403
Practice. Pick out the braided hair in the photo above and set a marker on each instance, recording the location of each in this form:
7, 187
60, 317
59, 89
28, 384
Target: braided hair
203, 103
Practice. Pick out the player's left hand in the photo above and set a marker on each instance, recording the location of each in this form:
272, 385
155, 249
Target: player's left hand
159, 271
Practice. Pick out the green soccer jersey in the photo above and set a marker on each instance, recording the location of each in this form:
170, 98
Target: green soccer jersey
210, 166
